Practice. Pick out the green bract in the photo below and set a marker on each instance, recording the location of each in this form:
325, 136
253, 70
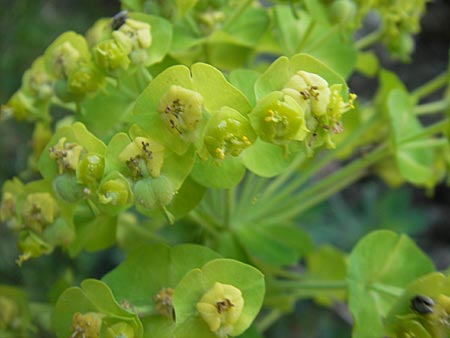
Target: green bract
199, 286
92, 311
228, 133
227, 124
278, 119
404, 319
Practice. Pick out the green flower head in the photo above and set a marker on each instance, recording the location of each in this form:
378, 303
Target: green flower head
221, 307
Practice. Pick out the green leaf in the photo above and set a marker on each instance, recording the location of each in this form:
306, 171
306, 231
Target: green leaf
77, 41
76, 133
266, 159
161, 31
249, 27
183, 6
379, 267
415, 163
432, 286
221, 174
107, 110
93, 296
311, 64
274, 78
152, 267
187, 198
244, 80
93, 232
288, 30
280, 71
367, 63
209, 81
327, 263
278, 245
198, 281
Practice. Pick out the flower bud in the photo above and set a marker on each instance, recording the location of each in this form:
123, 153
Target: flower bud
342, 12
86, 325
7, 207
67, 188
90, 169
221, 307
163, 303
65, 59
18, 107
9, 312
181, 110
39, 210
31, 246
133, 34
278, 119
110, 57
318, 92
153, 192
118, 330
115, 191
228, 133
83, 80
66, 155
38, 82
144, 157
59, 233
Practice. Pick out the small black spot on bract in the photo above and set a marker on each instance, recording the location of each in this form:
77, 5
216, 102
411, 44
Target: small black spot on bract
119, 19
422, 304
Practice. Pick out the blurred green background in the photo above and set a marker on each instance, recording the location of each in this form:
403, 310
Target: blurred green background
28, 27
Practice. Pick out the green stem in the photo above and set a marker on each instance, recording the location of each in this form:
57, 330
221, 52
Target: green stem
327, 285
387, 289
201, 220
433, 129
427, 143
323, 189
312, 24
236, 14
368, 40
432, 107
431, 86
287, 174
321, 40
268, 320
272, 201
144, 232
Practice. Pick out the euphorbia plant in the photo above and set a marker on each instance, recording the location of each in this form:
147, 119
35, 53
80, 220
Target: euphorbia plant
215, 116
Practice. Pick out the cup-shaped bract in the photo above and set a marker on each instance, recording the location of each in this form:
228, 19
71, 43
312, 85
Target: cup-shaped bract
151, 193
423, 309
86, 325
37, 81
221, 299
144, 157
92, 311
110, 57
220, 307
228, 133
278, 119
90, 169
181, 110
39, 210
114, 192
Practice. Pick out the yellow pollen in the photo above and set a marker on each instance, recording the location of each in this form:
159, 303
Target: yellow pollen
351, 99
246, 140
220, 153
270, 116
